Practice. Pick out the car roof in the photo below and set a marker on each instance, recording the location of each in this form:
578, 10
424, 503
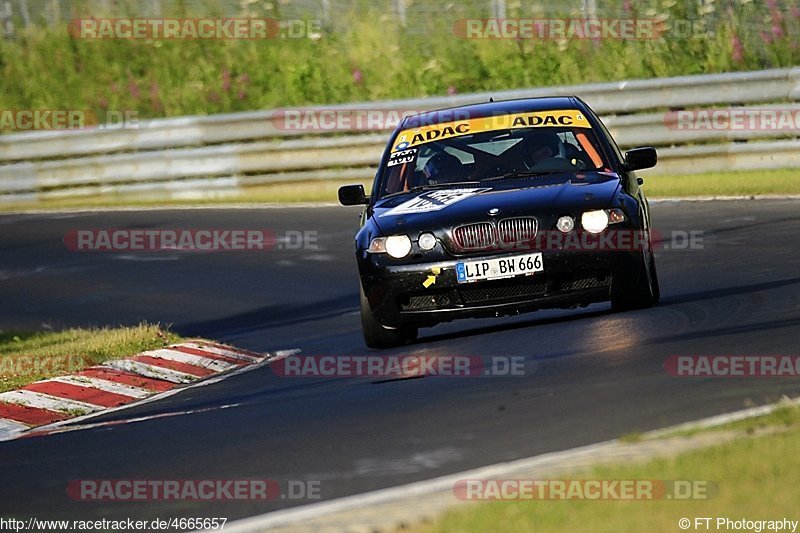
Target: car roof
503, 107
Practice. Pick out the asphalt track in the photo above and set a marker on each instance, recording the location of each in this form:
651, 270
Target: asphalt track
591, 374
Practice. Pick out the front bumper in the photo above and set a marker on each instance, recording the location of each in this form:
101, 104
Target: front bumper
423, 294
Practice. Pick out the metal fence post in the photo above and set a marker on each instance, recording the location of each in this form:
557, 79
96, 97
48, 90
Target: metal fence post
400, 10
499, 9
6, 19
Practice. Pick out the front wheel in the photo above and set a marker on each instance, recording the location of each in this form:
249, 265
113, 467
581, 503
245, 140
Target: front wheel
376, 335
636, 286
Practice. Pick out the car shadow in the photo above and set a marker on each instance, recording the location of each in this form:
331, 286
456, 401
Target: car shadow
724, 292
270, 316
578, 315
669, 301
273, 316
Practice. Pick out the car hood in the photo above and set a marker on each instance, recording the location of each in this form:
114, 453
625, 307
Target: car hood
444, 208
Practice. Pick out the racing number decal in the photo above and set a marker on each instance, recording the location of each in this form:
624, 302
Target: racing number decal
405, 156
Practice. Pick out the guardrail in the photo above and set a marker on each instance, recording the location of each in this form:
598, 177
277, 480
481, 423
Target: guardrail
200, 155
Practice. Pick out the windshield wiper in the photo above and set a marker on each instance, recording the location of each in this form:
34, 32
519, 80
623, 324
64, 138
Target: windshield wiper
524, 174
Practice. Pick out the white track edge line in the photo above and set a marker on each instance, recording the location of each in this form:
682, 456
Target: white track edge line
12, 427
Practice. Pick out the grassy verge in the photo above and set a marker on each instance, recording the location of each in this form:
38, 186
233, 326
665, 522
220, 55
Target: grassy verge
29, 357
745, 183
755, 478
366, 55
760, 182
280, 193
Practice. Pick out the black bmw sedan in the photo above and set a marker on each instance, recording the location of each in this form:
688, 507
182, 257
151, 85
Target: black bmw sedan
497, 209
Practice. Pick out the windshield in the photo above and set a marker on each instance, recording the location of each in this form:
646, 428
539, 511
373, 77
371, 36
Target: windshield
492, 149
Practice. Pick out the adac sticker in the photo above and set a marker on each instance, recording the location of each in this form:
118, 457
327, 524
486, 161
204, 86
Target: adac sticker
398, 158
534, 119
433, 201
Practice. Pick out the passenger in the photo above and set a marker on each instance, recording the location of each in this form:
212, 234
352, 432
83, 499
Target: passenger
444, 168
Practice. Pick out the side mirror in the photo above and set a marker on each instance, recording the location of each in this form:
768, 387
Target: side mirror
353, 195
639, 158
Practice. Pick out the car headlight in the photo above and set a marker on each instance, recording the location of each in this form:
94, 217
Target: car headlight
594, 221
597, 221
426, 241
397, 246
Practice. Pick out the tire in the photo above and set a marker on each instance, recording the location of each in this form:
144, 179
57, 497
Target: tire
377, 335
654, 279
636, 285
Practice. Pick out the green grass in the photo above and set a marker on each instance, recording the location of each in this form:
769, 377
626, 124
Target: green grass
631, 437
755, 478
745, 183
786, 416
28, 357
366, 57
281, 193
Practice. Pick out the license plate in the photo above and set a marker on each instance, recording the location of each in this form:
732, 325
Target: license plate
502, 267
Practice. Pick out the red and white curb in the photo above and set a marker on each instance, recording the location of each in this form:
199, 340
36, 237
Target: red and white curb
117, 383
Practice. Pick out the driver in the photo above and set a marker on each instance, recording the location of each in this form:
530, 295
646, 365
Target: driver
541, 145
444, 168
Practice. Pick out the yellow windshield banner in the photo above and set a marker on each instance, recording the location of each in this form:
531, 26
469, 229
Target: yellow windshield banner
445, 130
